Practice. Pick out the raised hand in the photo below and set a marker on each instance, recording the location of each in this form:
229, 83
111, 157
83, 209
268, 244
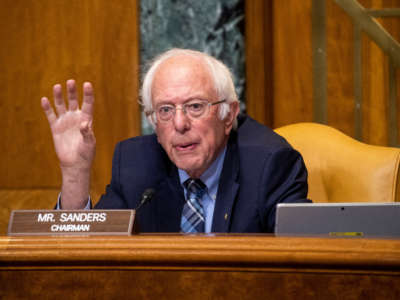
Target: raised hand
74, 140
71, 128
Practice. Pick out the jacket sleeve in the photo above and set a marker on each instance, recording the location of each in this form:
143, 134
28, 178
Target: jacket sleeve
284, 180
113, 197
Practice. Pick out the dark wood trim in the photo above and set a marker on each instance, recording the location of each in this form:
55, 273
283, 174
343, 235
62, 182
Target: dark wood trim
259, 60
198, 267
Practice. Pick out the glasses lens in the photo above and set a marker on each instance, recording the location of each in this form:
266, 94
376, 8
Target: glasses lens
193, 109
196, 109
165, 112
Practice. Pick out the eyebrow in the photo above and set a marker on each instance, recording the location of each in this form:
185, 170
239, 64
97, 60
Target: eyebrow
167, 102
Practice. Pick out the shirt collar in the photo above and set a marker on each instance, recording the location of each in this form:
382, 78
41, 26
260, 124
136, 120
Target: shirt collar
211, 176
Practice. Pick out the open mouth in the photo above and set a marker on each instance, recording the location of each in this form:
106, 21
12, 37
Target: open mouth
185, 147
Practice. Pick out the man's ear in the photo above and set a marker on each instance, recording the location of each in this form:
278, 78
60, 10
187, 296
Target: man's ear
231, 116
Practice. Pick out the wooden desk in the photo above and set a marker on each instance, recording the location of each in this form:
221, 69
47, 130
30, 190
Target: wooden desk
198, 267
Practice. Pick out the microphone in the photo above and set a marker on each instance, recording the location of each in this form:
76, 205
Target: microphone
146, 197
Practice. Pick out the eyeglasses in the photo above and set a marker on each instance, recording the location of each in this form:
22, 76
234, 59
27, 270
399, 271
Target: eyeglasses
194, 109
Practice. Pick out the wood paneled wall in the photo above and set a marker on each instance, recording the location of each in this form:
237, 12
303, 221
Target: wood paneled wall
285, 41
46, 42
376, 109
259, 60
291, 69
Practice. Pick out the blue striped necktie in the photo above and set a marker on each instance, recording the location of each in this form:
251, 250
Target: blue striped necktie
193, 214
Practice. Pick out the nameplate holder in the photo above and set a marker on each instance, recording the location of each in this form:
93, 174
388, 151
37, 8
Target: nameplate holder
71, 222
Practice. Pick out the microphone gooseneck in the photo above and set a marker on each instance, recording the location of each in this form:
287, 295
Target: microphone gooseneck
146, 197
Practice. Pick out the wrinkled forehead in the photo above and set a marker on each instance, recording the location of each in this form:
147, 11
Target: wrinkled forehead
184, 71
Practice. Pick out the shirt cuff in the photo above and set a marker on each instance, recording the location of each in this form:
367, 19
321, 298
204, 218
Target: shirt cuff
87, 207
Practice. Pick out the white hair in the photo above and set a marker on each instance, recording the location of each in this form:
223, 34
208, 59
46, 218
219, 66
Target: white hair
222, 78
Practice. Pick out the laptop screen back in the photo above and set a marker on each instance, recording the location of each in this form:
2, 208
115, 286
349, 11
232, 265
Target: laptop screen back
338, 219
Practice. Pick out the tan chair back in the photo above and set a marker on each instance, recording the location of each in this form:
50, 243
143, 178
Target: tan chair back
342, 169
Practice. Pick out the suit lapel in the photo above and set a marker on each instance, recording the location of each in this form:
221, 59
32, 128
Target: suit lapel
227, 189
170, 201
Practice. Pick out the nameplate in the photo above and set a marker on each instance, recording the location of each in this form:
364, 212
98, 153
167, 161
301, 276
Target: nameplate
71, 222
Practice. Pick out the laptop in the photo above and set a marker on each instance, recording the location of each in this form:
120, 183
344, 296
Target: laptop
338, 219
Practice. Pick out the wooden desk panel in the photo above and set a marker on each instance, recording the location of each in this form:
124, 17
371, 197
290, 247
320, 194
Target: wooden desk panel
199, 267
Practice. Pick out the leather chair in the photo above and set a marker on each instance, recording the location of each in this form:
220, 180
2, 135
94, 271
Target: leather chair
341, 169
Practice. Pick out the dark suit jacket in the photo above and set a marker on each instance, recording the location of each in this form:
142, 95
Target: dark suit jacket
260, 170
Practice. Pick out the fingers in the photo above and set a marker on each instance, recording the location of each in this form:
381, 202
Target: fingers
73, 103
72, 95
48, 110
58, 99
88, 100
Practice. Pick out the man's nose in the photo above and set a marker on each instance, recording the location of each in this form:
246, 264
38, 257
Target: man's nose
181, 120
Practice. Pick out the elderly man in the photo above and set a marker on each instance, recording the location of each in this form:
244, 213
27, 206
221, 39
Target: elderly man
211, 169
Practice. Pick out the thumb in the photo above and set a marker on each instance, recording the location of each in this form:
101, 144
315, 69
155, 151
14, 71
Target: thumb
87, 132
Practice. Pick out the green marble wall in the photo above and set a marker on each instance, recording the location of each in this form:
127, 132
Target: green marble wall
213, 26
